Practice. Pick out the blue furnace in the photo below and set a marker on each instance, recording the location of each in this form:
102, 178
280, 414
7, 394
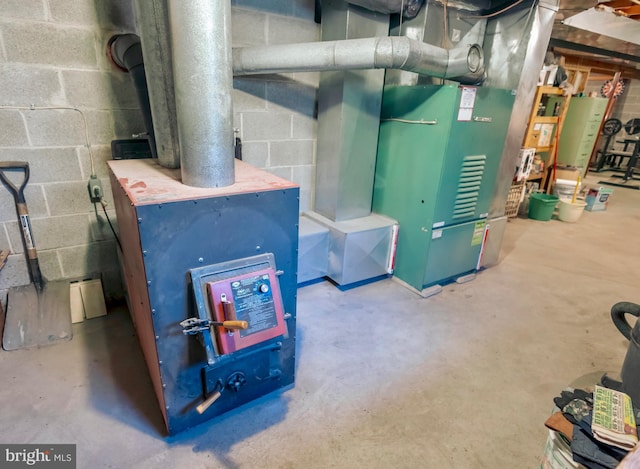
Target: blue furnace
195, 257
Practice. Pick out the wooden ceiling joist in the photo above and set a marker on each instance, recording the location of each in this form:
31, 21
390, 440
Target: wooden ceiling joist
601, 67
626, 8
615, 4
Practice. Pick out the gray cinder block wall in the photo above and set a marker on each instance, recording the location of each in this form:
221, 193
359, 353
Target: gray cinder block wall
276, 114
629, 105
52, 56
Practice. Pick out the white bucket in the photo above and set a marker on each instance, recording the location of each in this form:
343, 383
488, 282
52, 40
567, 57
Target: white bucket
564, 188
570, 212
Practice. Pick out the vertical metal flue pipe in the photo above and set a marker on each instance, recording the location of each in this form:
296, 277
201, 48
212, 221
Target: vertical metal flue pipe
203, 80
152, 23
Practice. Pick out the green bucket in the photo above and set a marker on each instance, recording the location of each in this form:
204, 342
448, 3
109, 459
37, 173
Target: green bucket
541, 206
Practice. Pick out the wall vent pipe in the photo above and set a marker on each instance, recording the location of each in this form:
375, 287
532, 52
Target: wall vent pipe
126, 53
203, 81
465, 64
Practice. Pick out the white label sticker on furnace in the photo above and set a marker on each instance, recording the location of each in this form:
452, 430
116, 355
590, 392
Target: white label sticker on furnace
468, 97
436, 234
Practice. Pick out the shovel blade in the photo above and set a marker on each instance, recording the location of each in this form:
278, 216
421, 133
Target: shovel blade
37, 318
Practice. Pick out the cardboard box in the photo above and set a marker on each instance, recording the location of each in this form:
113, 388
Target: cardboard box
546, 132
568, 173
598, 198
525, 161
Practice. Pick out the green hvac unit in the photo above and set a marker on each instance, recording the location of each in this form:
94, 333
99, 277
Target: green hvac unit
439, 150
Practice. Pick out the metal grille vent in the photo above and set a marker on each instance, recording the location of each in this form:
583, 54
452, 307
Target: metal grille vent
469, 186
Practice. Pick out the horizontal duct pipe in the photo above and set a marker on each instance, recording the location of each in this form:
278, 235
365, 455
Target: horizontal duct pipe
397, 52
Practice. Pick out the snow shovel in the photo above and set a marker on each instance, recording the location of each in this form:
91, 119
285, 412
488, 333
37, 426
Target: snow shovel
37, 314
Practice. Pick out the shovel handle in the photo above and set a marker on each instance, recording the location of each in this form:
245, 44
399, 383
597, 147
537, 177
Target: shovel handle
16, 191
23, 215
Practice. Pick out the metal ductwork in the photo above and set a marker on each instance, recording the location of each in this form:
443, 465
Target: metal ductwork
408, 8
201, 48
126, 53
196, 97
463, 63
152, 24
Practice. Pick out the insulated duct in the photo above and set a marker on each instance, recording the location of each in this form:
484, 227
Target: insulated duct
126, 53
466, 64
201, 47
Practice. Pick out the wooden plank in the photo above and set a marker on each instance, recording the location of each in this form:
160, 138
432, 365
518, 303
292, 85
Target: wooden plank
136, 284
75, 298
93, 298
545, 119
4, 254
550, 169
2, 318
601, 67
630, 10
615, 4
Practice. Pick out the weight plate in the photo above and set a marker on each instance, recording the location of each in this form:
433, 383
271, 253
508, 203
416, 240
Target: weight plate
632, 126
611, 126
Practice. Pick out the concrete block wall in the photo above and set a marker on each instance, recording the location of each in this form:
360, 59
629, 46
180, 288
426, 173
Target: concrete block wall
628, 106
52, 59
276, 114
52, 56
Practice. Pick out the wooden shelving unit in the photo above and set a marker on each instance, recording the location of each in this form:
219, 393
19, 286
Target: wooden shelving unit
543, 129
578, 76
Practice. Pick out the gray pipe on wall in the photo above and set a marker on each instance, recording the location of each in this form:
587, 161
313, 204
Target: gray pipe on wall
126, 52
152, 23
203, 80
398, 52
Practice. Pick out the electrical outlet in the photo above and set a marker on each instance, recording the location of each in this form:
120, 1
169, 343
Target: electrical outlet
95, 189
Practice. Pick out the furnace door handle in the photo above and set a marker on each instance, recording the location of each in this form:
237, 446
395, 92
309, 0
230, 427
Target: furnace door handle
194, 325
207, 402
232, 324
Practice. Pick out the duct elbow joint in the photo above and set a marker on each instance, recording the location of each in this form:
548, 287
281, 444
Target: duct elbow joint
125, 51
475, 59
467, 65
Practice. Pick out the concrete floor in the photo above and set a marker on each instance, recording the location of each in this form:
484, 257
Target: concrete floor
464, 379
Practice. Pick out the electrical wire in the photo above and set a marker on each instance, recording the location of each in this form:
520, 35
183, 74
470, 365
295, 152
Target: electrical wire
446, 24
33, 107
496, 13
104, 209
103, 203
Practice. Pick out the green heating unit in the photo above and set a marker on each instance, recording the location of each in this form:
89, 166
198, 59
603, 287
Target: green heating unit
439, 150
